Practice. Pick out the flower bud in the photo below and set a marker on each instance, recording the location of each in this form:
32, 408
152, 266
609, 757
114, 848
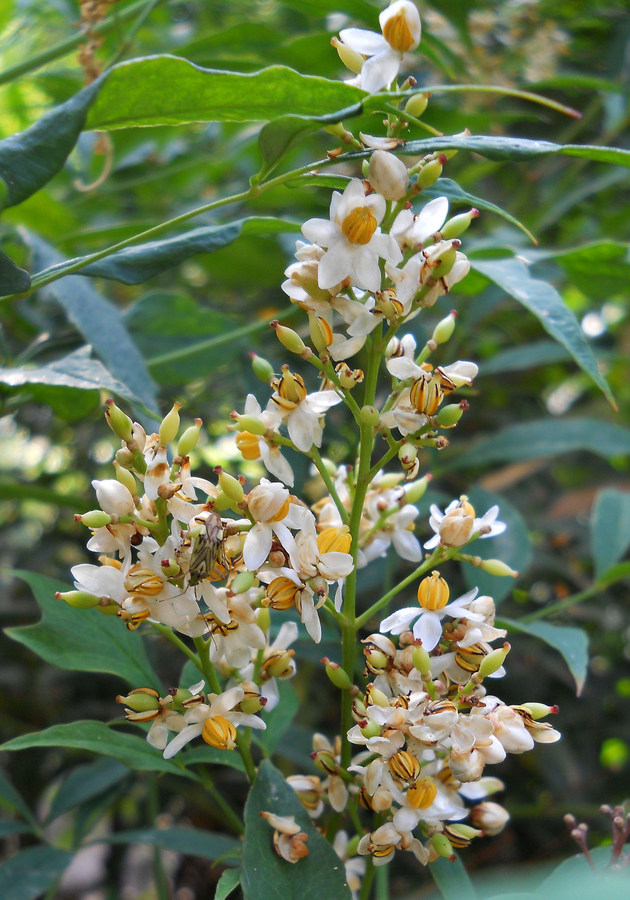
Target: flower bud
321, 333
249, 423
370, 729
141, 700
125, 458
78, 599
417, 489
433, 592
262, 369
388, 175
288, 338
490, 817
169, 425
442, 846
263, 616
95, 518
350, 58
449, 415
497, 567
118, 421
444, 329
539, 710
370, 415
188, 440
430, 172
230, 486
338, 676
422, 661
242, 582
113, 497
416, 105
126, 477
494, 660
458, 224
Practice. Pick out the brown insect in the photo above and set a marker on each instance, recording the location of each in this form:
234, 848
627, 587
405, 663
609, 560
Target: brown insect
208, 561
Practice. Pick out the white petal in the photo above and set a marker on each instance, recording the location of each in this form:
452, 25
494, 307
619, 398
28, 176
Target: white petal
407, 545
363, 41
400, 620
257, 546
428, 629
380, 70
187, 734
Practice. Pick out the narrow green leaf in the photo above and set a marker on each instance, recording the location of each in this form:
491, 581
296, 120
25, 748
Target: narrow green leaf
99, 322
29, 874
13, 279
228, 882
570, 642
96, 737
609, 529
84, 783
445, 187
512, 547
452, 879
265, 875
527, 356
205, 756
133, 94
29, 159
10, 798
189, 841
542, 299
77, 370
9, 827
599, 268
549, 437
82, 639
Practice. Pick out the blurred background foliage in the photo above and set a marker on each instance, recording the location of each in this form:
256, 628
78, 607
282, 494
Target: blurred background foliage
196, 323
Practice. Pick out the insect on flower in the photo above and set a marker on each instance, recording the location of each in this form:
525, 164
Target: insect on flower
203, 544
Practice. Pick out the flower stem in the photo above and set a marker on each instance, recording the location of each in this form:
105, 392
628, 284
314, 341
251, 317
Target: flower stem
429, 563
170, 635
206, 666
243, 745
315, 455
231, 818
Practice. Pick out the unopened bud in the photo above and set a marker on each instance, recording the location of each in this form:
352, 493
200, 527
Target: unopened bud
188, 440
449, 415
95, 518
497, 567
140, 700
417, 489
125, 477
118, 421
490, 817
370, 729
242, 582
388, 175
539, 710
263, 616
442, 846
288, 338
262, 369
430, 172
369, 415
416, 105
421, 661
458, 224
444, 329
230, 486
350, 58
321, 333
249, 423
169, 425
494, 660
338, 676
78, 599
125, 458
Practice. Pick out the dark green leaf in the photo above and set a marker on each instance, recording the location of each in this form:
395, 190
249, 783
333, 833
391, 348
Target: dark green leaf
134, 265
615, 573
29, 160
570, 642
265, 875
10, 826
542, 299
29, 874
78, 370
205, 755
190, 841
279, 720
452, 879
228, 882
133, 94
517, 359
512, 547
99, 322
596, 269
445, 187
13, 280
96, 737
10, 798
574, 879
609, 529
85, 782
548, 437
83, 640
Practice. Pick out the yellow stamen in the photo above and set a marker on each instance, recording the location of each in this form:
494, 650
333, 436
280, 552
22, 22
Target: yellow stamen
359, 225
397, 33
433, 592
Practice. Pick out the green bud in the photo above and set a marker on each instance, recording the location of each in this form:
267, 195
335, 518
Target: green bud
171, 569
337, 675
118, 421
249, 423
95, 518
493, 661
421, 660
390, 480
262, 369
169, 425
458, 224
242, 582
371, 729
417, 489
365, 168
188, 440
230, 486
78, 599
442, 846
497, 567
416, 105
444, 329
449, 415
467, 832
540, 710
430, 172
140, 700
222, 502
370, 415
263, 617
447, 260
289, 338
125, 477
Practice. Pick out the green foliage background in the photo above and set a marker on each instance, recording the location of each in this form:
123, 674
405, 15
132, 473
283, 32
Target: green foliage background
540, 436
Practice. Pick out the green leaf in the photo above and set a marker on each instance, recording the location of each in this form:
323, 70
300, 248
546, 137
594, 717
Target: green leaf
512, 547
84, 783
504, 149
445, 187
570, 642
9, 827
133, 94
133, 265
82, 640
99, 322
574, 879
265, 875
29, 160
452, 879
77, 370
527, 356
29, 874
10, 798
542, 299
228, 882
189, 841
609, 529
214, 757
549, 437
597, 269
279, 720
96, 737
13, 279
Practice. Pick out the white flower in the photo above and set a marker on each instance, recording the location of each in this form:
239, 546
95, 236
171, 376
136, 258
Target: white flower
301, 411
270, 453
353, 239
428, 622
401, 29
452, 528
413, 229
270, 505
113, 497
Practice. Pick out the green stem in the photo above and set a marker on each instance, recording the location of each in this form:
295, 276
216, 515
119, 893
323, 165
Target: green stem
170, 635
135, 28
243, 745
390, 454
231, 818
382, 883
206, 666
315, 455
562, 604
368, 878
